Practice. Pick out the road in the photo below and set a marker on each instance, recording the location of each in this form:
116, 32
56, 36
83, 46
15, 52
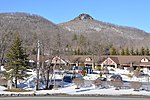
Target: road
71, 98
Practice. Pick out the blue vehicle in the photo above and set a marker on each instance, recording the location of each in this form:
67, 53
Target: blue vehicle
69, 77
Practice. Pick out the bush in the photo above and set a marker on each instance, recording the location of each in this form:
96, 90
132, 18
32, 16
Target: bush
112, 69
117, 84
129, 75
78, 82
137, 73
100, 74
136, 85
97, 83
138, 68
84, 73
98, 68
17, 90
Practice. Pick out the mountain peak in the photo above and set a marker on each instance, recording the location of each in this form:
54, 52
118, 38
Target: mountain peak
84, 16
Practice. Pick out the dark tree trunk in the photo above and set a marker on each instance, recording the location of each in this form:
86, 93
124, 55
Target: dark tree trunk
16, 82
47, 81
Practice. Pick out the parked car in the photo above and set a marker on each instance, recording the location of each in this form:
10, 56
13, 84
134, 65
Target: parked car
102, 78
116, 78
69, 77
78, 76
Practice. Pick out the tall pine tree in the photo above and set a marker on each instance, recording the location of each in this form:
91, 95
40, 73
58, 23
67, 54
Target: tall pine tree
122, 51
17, 65
142, 52
113, 51
137, 52
132, 51
127, 51
147, 51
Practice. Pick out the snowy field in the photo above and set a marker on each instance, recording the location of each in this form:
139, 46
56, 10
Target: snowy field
91, 90
70, 88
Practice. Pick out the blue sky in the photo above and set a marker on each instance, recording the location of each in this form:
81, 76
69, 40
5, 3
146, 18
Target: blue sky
134, 13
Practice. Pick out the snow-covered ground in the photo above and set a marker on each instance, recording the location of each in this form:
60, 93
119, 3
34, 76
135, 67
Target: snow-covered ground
90, 90
70, 88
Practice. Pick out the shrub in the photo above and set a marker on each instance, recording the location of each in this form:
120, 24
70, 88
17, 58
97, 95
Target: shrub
112, 69
98, 68
136, 85
117, 84
137, 73
84, 73
97, 82
138, 68
78, 82
17, 90
129, 75
100, 74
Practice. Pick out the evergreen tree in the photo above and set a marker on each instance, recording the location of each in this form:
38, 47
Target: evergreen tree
113, 51
117, 51
137, 52
127, 51
106, 51
132, 51
77, 52
147, 51
17, 62
142, 52
74, 37
122, 52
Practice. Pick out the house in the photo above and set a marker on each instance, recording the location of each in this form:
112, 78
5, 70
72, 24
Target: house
72, 61
59, 62
111, 61
127, 61
80, 60
42, 60
89, 61
89, 64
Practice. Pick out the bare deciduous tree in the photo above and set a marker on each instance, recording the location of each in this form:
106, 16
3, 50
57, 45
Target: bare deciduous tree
78, 82
4, 41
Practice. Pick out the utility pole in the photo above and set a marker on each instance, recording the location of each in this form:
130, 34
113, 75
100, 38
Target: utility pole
54, 74
38, 65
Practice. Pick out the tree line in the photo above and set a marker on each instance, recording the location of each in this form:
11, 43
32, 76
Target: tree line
82, 46
130, 51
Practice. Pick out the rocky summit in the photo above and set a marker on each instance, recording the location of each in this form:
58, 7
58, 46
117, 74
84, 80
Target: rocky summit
107, 33
84, 17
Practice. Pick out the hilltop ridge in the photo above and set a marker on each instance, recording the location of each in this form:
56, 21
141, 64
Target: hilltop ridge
90, 33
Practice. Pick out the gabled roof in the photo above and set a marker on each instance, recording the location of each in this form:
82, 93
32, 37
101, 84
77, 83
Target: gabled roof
110, 60
128, 59
118, 59
145, 59
115, 59
58, 60
76, 58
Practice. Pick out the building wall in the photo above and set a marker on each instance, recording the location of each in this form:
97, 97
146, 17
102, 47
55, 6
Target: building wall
109, 62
